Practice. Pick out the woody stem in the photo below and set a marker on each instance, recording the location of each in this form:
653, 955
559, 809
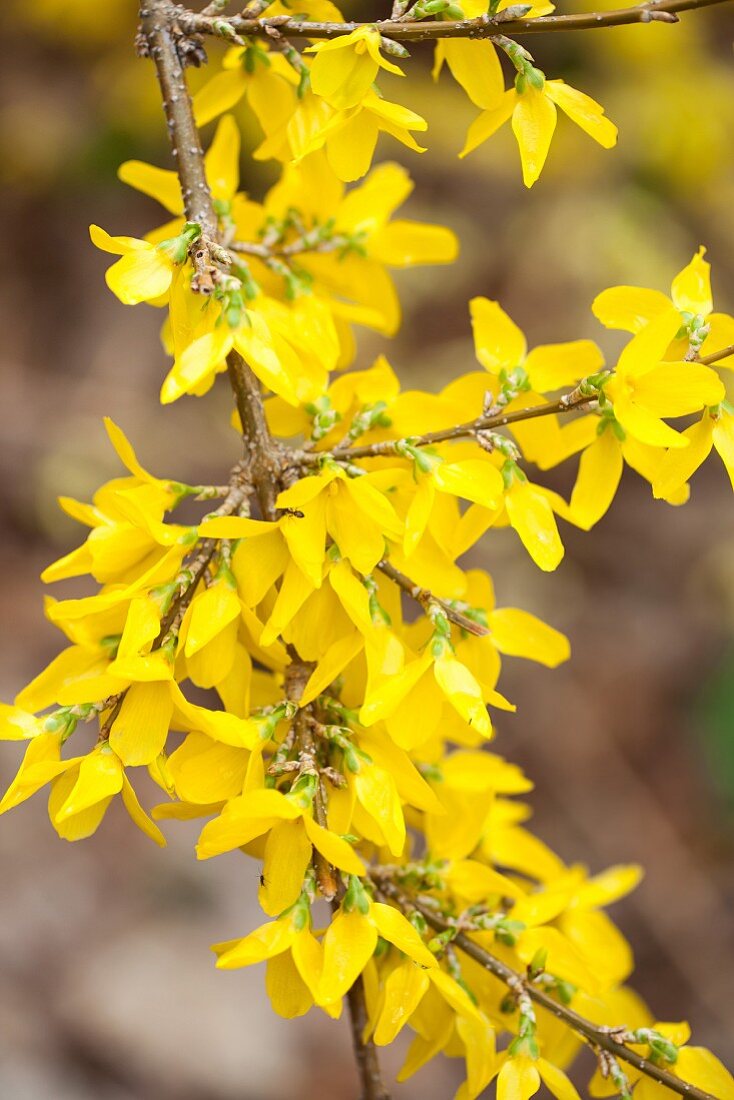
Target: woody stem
331, 886
365, 1052
160, 43
264, 458
576, 399
484, 26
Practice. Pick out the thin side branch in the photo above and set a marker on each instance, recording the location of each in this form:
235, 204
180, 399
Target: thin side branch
425, 598
266, 251
716, 356
485, 26
598, 1036
574, 400
185, 586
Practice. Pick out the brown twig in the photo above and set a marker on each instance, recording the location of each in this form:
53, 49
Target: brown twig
329, 882
264, 457
298, 247
186, 582
485, 26
716, 356
263, 453
265, 461
574, 400
296, 678
597, 1035
365, 1052
157, 21
425, 598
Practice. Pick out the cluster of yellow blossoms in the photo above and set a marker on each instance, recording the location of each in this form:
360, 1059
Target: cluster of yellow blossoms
342, 742
331, 101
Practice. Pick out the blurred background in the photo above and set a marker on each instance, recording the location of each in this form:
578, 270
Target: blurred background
107, 987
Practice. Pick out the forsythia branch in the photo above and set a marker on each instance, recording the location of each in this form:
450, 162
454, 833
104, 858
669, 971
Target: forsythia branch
484, 26
577, 399
264, 458
599, 1037
426, 598
330, 884
574, 400
351, 736
365, 1052
716, 356
186, 583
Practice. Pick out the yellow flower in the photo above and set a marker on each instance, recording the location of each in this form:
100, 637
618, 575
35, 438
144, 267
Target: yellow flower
82, 787
351, 939
521, 1076
696, 1065
501, 348
410, 697
341, 408
128, 536
17, 724
330, 970
362, 239
715, 429
353, 657
532, 108
210, 629
530, 511
403, 991
445, 1018
264, 76
350, 136
475, 479
358, 516
477, 819
632, 308
512, 632
600, 472
521, 379
474, 63
205, 771
145, 272
644, 389
591, 931
140, 730
345, 68
289, 346
278, 342
288, 821
42, 763
294, 956
222, 166
382, 778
